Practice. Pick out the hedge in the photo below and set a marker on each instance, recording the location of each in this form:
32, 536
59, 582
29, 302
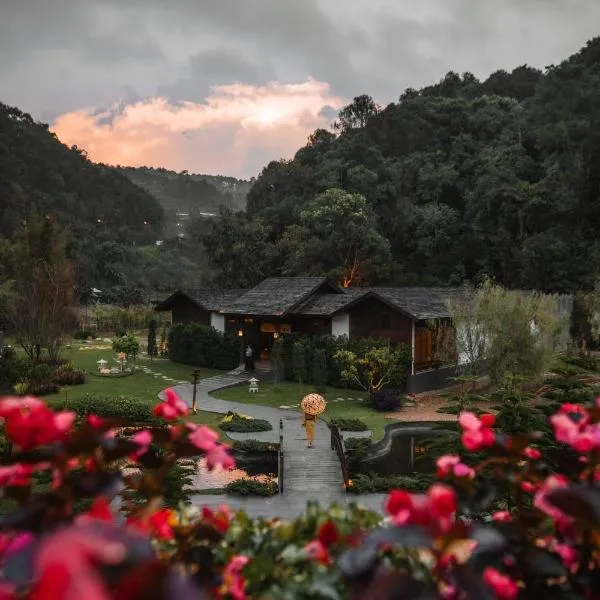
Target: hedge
131, 410
251, 487
330, 345
201, 346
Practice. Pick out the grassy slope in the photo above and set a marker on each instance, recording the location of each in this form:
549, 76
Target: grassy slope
290, 394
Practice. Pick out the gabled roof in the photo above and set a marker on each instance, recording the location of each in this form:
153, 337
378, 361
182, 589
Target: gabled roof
207, 298
417, 302
278, 296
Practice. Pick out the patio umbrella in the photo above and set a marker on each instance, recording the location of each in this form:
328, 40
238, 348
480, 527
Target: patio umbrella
313, 404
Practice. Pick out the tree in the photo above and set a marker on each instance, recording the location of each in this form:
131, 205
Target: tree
357, 114
371, 371
39, 296
129, 345
152, 348
337, 237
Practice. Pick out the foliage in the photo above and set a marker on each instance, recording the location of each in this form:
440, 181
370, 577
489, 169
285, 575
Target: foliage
125, 408
251, 487
277, 360
300, 362
40, 278
319, 370
356, 451
254, 446
128, 344
201, 346
349, 424
387, 400
237, 423
375, 484
372, 370
66, 375
152, 347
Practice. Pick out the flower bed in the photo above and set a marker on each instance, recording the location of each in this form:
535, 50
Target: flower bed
541, 538
238, 423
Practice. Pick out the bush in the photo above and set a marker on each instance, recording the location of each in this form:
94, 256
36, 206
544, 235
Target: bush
201, 346
254, 446
12, 369
67, 376
131, 410
243, 424
386, 400
350, 424
374, 484
83, 334
43, 389
587, 362
320, 370
356, 450
251, 487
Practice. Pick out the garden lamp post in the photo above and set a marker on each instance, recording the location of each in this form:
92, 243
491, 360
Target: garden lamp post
241, 336
195, 378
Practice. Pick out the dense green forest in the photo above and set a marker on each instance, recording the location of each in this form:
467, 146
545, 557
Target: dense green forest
188, 193
112, 224
455, 182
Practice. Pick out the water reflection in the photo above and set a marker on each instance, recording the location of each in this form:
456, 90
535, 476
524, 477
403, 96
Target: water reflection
217, 478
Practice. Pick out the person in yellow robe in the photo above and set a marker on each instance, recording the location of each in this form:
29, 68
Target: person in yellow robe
309, 423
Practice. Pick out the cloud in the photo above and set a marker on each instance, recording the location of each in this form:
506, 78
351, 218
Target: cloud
236, 130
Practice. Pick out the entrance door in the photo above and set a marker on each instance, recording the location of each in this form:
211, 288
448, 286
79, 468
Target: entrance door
266, 343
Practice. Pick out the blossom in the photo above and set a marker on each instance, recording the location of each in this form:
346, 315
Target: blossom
160, 522
328, 534
219, 456
541, 503
451, 463
502, 516
172, 407
234, 584
436, 509
477, 432
218, 519
17, 474
567, 553
203, 437
30, 423
572, 427
143, 439
318, 552
504, 587
532, 453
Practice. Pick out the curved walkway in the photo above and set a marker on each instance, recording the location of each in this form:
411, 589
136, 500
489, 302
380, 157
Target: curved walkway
309, 473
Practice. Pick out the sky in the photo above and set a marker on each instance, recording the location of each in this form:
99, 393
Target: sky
225, 86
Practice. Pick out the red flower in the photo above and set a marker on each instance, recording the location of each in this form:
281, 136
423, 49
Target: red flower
450, 463
99, 511
30, 423
18, 474
316, 551
502, 516
532, 453
172, 407
159, 522
328, 534
504, 587
219, 519
143, 439
476, 432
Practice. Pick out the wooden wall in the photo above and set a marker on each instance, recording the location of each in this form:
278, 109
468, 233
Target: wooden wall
186, 311
375, 319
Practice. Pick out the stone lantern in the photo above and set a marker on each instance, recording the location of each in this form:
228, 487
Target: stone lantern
102, 365
253, 389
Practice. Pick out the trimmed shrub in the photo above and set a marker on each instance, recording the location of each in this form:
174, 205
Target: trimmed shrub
386, 400
251, 487
356, 450
374, 484
254, 446
201, 346
43, 389
131, 410
243, 424
350, 424
67, 376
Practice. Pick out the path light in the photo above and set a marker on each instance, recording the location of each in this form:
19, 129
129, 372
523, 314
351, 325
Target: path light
195, 377
253, 389
102, 364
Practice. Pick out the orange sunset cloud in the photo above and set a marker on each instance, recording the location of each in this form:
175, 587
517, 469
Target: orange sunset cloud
235, 131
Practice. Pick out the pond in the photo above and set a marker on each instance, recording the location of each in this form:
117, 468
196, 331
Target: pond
263, 470
407, 452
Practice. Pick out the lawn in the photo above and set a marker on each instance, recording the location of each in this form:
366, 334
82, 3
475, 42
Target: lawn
290, 394
140, 385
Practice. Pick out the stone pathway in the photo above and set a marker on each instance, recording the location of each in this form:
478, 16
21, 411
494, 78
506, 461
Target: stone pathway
309, 473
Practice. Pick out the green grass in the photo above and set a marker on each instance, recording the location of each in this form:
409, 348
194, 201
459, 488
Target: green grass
290, 394
139, 385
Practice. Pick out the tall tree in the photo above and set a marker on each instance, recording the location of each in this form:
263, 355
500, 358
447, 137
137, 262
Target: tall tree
40, 298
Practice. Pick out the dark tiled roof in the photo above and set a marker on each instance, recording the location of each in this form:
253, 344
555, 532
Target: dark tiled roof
278, 296
207, 298
419, 302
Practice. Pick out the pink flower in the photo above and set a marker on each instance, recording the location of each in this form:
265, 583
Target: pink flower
476, 432
203, 437
527, 487
502, 516
539, 500
504, 587
219, 456
532, 453
143, 439
318, 552
234, 584
172, 407
462, 470
17, 474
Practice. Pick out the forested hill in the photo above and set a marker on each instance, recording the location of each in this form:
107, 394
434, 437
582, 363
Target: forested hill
190, 192
460, 180
38, 172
